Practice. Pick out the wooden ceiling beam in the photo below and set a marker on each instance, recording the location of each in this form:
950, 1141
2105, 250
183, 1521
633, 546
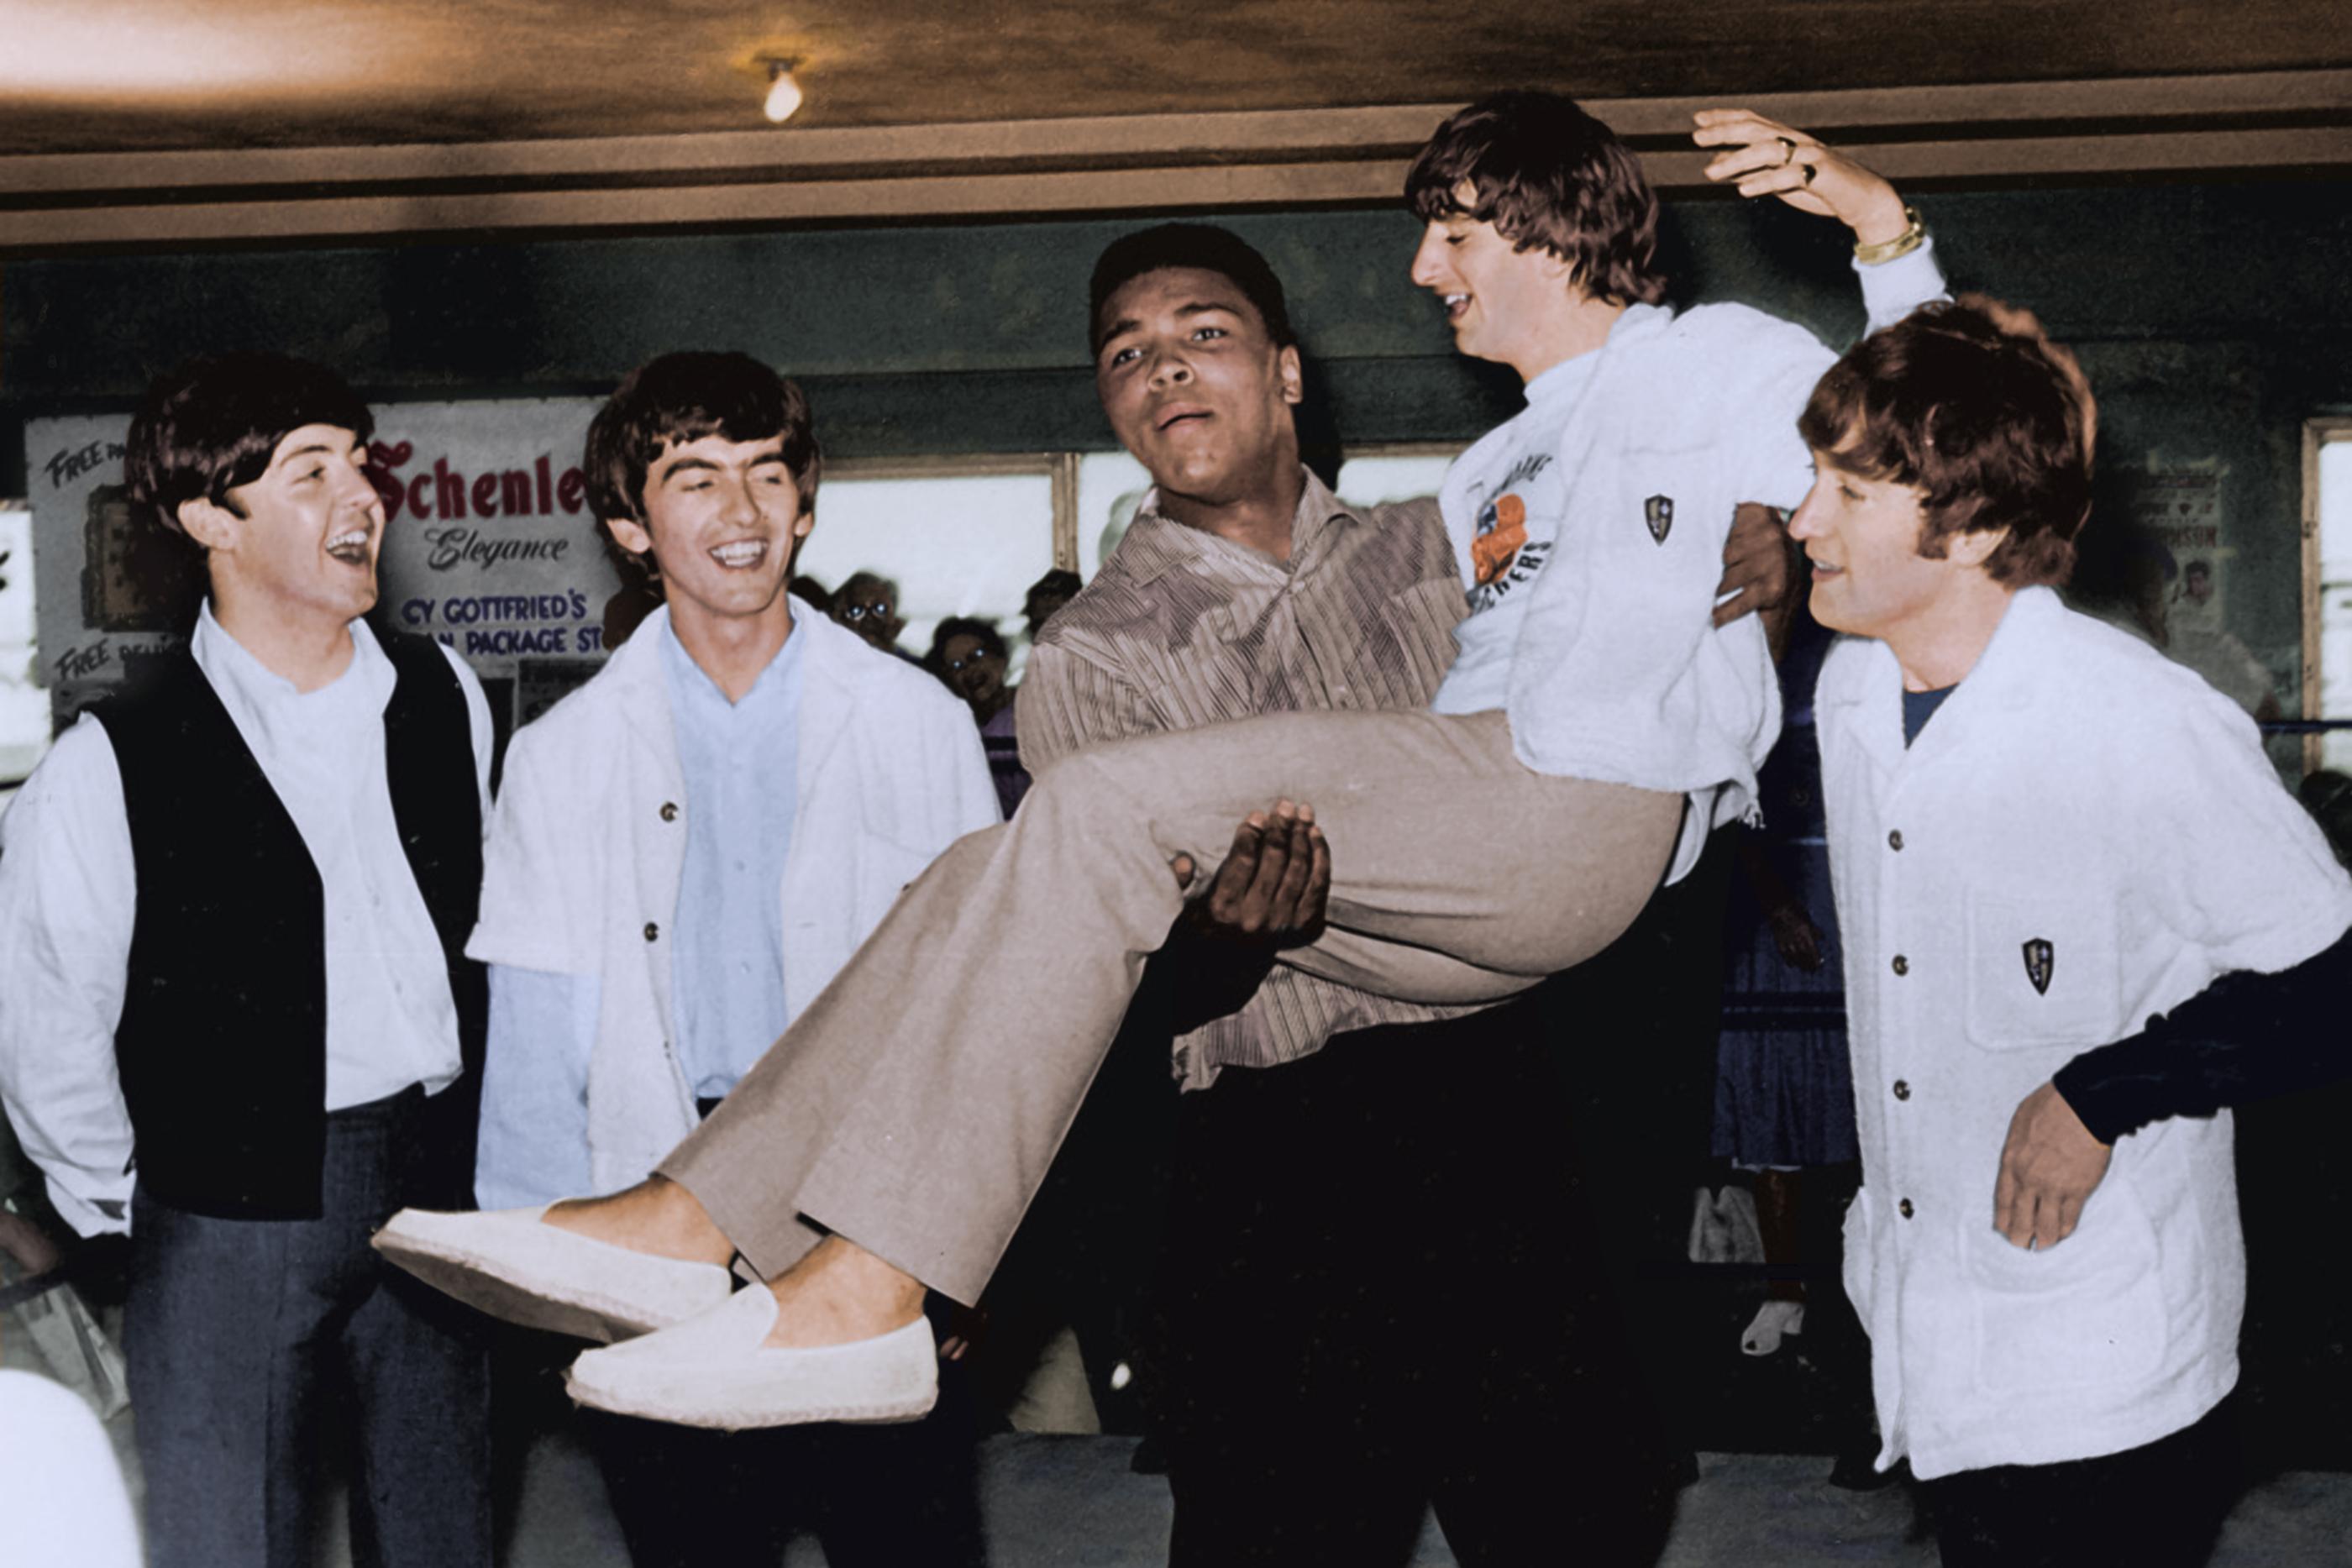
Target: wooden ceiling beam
2276, 121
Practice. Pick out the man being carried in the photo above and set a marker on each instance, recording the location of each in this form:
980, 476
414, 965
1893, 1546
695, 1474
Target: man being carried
2045, 1249
848, 1179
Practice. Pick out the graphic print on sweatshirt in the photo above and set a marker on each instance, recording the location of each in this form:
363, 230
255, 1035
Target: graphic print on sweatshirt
1517, 525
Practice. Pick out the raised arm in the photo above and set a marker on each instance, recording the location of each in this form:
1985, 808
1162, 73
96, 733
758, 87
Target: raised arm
1894, 260
1893, 255
1762, 157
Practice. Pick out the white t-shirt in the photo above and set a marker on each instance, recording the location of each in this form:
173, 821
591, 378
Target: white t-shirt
1514, 498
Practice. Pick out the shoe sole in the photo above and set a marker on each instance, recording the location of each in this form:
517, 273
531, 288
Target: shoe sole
738, 1415
494, 1286
900, 1384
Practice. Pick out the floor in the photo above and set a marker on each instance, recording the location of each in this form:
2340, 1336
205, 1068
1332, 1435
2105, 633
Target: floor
1050, 1501
1056, 1502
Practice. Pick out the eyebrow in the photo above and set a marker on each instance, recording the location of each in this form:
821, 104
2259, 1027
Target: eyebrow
682, 463
308, 447
1195, 307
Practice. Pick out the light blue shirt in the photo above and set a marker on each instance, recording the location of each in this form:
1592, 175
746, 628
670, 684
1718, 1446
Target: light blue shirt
728, 975
534, 1144
741, 763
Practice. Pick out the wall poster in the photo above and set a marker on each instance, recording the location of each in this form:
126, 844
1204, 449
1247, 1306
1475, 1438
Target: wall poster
490, 546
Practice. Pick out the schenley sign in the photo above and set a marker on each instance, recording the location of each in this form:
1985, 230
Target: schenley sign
446, 493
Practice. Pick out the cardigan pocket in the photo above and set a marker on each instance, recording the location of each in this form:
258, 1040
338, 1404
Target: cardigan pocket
2085, 1312
2043, 972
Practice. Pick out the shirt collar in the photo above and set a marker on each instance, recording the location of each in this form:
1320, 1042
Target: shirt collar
2005, 677
698, 696
245, 680
1569, 376
1156, 543
2013, 663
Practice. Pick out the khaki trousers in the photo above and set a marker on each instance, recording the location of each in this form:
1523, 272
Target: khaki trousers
915, 1106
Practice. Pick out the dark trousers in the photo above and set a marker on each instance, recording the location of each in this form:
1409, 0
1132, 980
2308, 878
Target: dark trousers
2158, 1506
1381, 1295
888, 1496
897, 1495
252, 1343
1637, 1029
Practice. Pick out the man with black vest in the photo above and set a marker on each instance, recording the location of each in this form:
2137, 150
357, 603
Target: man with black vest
236, 1016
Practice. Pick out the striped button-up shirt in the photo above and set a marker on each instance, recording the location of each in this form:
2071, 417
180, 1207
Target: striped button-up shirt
1182, 629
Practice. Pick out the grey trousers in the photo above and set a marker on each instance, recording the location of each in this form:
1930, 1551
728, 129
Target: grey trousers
250, 1342
915, 1106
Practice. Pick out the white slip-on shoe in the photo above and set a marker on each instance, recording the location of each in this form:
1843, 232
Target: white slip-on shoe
1772, 1321
508, 1263
716, 1371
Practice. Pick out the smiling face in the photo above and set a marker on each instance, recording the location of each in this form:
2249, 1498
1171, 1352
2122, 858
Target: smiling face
1196, 389
300, 543
723, 522
1862, 536
1505, 305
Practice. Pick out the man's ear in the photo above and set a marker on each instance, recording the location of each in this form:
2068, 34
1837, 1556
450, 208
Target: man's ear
1558, 270
630, 536
806, 521
1294, 381
1974, 547
207, 522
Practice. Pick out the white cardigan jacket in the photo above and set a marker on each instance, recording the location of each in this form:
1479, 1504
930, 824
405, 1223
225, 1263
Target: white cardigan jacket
587, 849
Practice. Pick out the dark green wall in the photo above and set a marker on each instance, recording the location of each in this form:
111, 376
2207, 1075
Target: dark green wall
2213, 320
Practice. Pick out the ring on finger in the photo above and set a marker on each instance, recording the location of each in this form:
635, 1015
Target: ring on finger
1788, 151
1811, 170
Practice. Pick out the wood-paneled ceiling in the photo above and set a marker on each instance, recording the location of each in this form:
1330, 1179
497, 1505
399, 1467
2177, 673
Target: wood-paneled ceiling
124, 119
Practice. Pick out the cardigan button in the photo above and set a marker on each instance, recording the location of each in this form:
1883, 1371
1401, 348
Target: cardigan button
1904, 1208
1894, 838
653, 932
1902, 1089
669, 812
1901, 965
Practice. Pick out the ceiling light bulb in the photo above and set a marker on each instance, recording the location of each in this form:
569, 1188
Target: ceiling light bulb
783, 94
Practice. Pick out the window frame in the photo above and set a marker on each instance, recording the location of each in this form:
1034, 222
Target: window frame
1059, 467
2318, 432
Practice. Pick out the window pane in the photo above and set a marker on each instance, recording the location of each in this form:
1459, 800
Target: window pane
955, 544
1393, 476
1110, 486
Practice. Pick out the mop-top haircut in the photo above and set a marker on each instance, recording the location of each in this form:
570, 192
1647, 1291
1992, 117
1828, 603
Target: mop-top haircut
681, 398
1969, 402
211, 426
1545, 173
